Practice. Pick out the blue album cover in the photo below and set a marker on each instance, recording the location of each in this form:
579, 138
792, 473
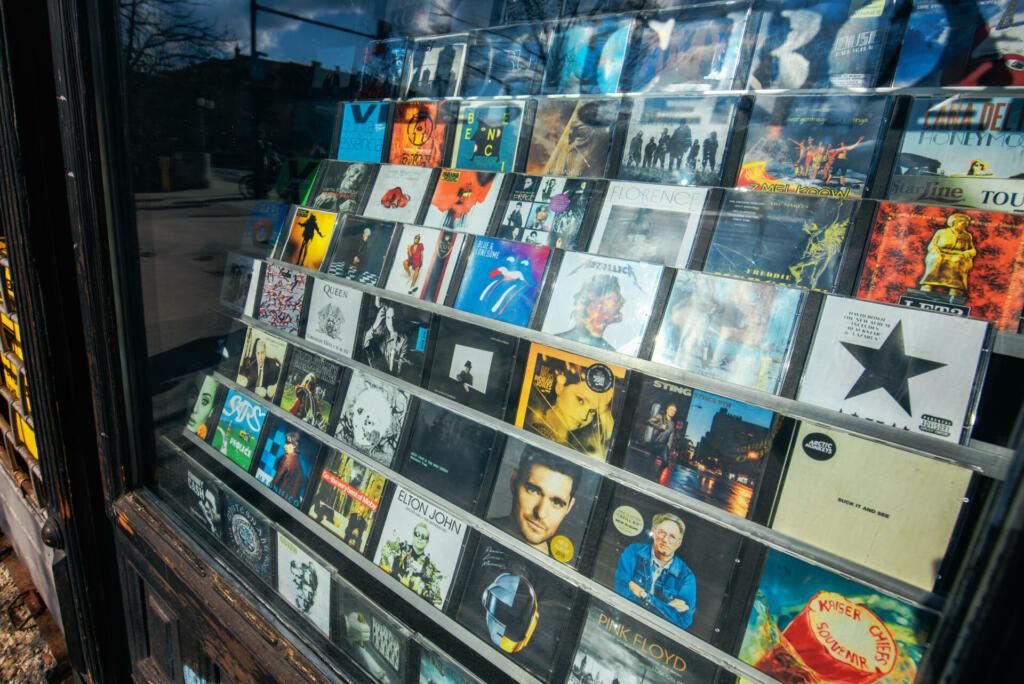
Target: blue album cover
380, 68
502, 280
587, 56
487, 135
364, 126
530, 10
287, 461
264, 226
506, 60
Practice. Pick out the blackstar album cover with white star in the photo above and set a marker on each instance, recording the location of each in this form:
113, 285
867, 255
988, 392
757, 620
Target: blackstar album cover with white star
910, 369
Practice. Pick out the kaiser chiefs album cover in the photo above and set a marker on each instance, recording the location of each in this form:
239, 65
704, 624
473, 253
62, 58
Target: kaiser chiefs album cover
464, 200
372, 417
425, 262
305, 242
419, 134
548, 210
572, 137
345, 499
502, 280
487, 135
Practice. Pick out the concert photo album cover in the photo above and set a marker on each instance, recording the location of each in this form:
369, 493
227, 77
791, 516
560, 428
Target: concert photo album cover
487, 135
310, 387
370, 636
472, 365
287, 460
572, 137
464, 200
502, 280
281, 298
434, 67
262, 363
393, 338
549, 210
372, 417
399, 193
266, 219
203, 417
332, 316
239, 270
345, 499
506, 60
380, 68
587, 56
420, 131
304, 582
360, 249
249, 536
341, 186
238, 430
364, 131
424, 263
305, 242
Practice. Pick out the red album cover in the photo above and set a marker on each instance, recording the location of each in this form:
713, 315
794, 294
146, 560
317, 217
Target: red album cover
419, 133
968, 263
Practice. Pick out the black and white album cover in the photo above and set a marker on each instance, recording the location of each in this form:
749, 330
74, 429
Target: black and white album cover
341, 186
238, 273
393, 339
434, 67
304, 583
333, 316
249, 536
472, 365
372, 417
368, 633
204, 503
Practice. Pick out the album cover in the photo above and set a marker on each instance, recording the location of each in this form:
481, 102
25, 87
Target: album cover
506, 60
264, 226
287, 461
464, 200
305, 243
606, 303
333, 316
202, 419
341, 186
380, 67
393, 338
420, 546
549, 210
360, 249
449, 455
424, 262
304, 583
587, 55
502, 280
903, 367
249, 536
487, 135
708, 447
371, 636
372, 417
808, 624
518, 607
793, 240
310, 387
646, 222
435, 66
281, 298
957, 261
437, 667
262, 363
544, 501
698, 558
346, 497
571, 400
364, 130
238, 275
727, 329
398, 193
473, 366
572, 136
814, 145
529, 10
419, 133
238, 429
203, 500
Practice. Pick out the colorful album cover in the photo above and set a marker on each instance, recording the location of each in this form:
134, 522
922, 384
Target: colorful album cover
728, 329
696, 559
333, 316
398, 193
281, 298
888, 509
393, 339
420, 546
360, 249
262, 363
310, 386
371, 636
473, 366
249, 536
341, 186
380, 67
502, 280
487, 135
286, 464
586, 56
543, 500
435, 66
419, 133
646, 222
364, 129
903, 367
962, 151
202, 419
449, 455
304, 582
264, 226
203, 501
571, 400
238, 429
813, 145
518, 607
372, 417
793, 240
437, 667
506, 60
810, 625
529, 10
346, 497
238, 274
606, 303
957, 261
464, 200
708, 447
425, 262
572, 137
548, 210
305, 243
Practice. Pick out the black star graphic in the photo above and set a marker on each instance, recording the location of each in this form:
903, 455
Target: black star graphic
888, 367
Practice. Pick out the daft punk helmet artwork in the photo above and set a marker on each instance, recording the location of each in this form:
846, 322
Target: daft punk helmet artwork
510, 603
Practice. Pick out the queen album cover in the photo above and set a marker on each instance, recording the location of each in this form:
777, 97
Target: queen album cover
502, 280
372, 417
305, 242
346, 498
333, 315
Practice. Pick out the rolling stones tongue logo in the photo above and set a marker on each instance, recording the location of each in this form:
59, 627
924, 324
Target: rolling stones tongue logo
394, 198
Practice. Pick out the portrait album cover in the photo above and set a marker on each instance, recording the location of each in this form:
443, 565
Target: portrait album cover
238, 430
648, 222
473, 366
398, 193
586, 56
306, 240
341, 186
333, 315
262, 364
571, 400
606, 303
239, 271
202, 499
544, 501
281, 298
874, 504
572, 136
393, 338
895, 365
957, 261
506, 60
420, 546
304, 582
808, 624
419, 132
437, 667
203, 418
346, 497
372, 417
310, 388
793, 240
249, 536
549, 210
708, 447
434, 67
370, 635
698, 557
728, 329
364, 131
360, 249
287, 461
677, 140
379, 69
517, 607
487, 135
502, 280
424, 263
449, 455
264, 226
464, 200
